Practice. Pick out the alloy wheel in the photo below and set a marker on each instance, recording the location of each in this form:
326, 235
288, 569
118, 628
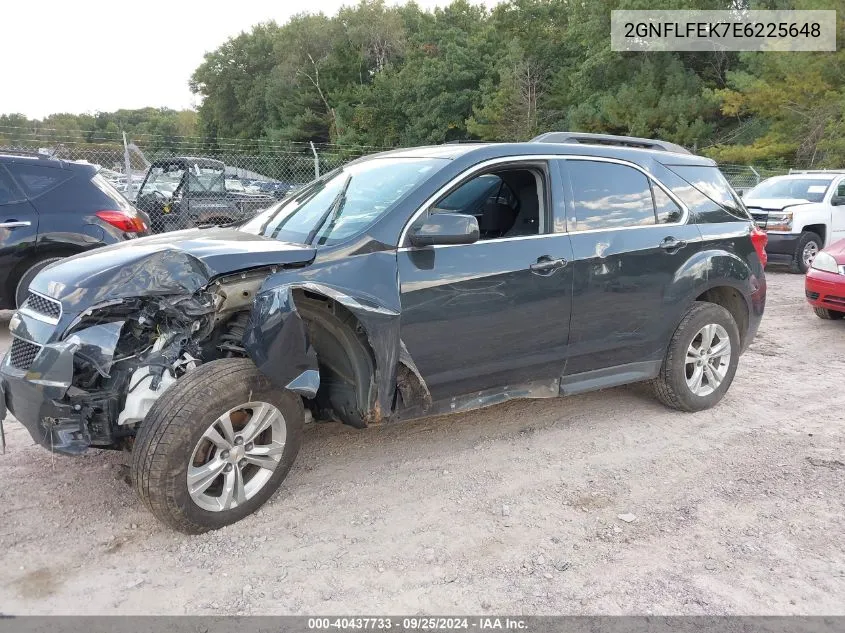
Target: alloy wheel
811, 249
708, 359
236, 456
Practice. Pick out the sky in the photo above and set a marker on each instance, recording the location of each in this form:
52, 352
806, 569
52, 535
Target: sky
60, 56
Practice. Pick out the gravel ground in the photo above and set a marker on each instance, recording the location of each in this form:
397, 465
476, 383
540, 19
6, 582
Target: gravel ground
602, 503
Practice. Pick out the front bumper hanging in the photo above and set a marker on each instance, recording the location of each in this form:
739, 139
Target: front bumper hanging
37, 396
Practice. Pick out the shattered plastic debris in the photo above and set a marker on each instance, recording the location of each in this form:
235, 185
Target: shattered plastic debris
54, 365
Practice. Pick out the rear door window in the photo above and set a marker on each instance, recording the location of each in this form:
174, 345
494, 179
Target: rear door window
609, 196
37, 180
666, 209
9, 193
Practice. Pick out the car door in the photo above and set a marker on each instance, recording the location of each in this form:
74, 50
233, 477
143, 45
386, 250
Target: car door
629, 239
837, 212
18, 235
493, 314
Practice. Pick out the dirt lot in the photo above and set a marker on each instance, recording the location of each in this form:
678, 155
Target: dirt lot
511, 509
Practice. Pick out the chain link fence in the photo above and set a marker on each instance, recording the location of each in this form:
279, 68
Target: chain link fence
745, 177
187, 182
183, 182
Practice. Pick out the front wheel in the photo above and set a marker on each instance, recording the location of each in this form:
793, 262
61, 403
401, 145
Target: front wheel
809, 245
828, 315
215, 446
701, 361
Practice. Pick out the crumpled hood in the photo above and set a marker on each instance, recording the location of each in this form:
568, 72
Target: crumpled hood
774, 204
171, 263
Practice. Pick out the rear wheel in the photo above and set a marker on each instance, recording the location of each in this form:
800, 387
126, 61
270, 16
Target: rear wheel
809, 245
829, 315
215, 446
22, 288
701, 361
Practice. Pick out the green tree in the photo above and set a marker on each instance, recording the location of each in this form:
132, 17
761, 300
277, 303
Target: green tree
510, 110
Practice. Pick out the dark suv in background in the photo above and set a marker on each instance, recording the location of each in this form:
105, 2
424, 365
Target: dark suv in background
50, 209
411, 283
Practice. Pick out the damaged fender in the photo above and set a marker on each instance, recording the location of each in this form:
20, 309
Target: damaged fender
277, 342
367, 285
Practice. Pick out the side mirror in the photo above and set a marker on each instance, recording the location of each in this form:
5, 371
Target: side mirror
445, 228
837, 201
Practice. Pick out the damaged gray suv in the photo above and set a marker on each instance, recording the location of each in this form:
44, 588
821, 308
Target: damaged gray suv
410, 283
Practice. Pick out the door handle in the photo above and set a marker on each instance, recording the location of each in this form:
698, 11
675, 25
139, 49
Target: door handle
547, 265
670, 244
14, 224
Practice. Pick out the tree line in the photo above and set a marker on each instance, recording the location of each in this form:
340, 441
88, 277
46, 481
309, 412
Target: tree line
399, 75
385, 76
164, 126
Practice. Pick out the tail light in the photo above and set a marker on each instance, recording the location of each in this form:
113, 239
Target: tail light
759, 238
126, 221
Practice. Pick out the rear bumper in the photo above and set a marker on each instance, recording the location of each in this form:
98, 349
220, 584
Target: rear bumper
781, 246
825, 290
756, 309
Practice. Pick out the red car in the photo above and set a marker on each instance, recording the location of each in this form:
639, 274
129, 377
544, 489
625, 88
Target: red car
825, 283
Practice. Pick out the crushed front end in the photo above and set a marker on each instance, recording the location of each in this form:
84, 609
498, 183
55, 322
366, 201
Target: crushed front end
83, 380
102, 335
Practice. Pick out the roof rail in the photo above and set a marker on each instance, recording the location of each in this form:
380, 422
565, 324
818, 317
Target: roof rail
817, 171
608, 139
7, 151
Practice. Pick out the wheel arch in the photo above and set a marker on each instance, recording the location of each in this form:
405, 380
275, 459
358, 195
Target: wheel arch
730, 298
819, 229
41, 253
341, 343
299, 326
356, 338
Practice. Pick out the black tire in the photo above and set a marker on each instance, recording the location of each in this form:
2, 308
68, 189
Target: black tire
177, 421
22, 289
828, 315
670, 386
798, 265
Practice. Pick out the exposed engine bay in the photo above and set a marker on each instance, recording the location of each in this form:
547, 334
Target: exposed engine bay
158, 340
105, 335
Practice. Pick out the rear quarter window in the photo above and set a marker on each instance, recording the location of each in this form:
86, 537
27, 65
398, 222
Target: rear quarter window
36, 180
710, 182
111, 193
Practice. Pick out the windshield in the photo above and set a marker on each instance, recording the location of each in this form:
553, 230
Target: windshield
163, 180
234, 185
810, 189
200, 180
347, 200
205, 180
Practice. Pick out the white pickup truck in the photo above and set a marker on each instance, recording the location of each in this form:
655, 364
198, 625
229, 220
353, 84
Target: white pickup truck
802, 213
